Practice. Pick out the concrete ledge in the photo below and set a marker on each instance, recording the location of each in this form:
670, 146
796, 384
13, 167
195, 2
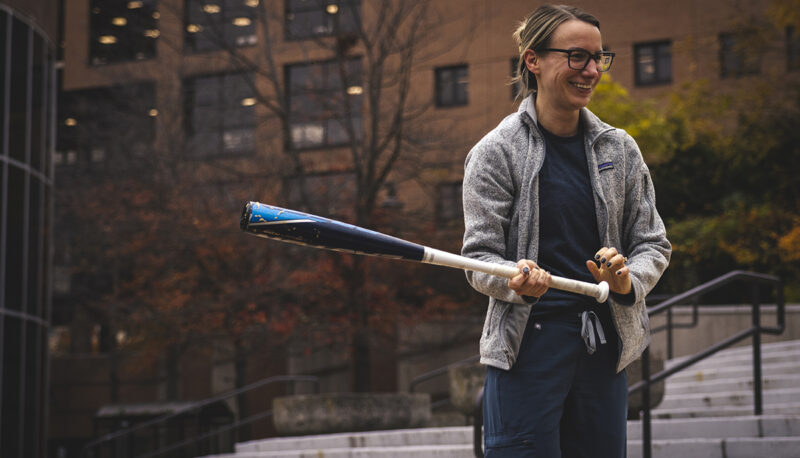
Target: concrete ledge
345, 412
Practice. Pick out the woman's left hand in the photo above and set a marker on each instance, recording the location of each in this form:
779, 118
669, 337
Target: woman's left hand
612, 270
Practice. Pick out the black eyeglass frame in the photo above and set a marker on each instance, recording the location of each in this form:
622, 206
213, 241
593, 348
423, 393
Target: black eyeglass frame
590, 55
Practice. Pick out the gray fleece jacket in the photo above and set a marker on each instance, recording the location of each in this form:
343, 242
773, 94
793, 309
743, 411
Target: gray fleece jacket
501, 216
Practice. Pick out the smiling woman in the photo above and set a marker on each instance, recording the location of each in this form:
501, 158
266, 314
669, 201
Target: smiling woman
553, 189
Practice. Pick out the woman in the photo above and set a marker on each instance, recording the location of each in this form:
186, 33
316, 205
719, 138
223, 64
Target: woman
552, 189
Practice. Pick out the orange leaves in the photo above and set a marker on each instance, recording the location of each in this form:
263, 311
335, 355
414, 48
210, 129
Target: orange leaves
789, 244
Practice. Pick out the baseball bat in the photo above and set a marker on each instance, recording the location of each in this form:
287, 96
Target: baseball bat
301, 228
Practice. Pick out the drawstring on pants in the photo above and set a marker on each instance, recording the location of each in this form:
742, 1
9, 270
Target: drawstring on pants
590, 323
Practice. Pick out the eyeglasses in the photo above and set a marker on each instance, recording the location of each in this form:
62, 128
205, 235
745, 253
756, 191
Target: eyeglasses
578, 58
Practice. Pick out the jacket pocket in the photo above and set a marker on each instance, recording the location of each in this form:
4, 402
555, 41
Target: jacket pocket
503, 338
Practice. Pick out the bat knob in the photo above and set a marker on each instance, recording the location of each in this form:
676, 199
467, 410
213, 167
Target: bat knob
602, 289
246, 212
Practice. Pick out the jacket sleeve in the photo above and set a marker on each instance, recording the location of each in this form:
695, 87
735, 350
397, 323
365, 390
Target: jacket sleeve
489, 201
644, 236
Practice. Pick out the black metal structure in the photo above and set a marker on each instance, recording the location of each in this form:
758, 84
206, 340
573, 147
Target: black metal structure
207, 439
755, 281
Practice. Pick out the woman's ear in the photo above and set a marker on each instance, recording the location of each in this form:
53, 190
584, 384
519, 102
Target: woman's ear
531, 61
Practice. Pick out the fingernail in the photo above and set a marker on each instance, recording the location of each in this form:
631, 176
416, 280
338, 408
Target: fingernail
609, 264
526, 270
597, 256
603, 261
619, 272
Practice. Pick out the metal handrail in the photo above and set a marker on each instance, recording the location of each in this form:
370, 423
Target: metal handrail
755, 331
440, 371
756, 280
208, 435
87, 451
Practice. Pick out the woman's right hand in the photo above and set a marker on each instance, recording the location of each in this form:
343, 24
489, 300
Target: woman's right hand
531, 281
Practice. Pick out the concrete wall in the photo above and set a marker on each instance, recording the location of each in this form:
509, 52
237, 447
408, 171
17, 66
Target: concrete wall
715, 323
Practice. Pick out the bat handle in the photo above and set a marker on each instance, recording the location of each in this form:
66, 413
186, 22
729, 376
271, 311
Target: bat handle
443, 258
598, 291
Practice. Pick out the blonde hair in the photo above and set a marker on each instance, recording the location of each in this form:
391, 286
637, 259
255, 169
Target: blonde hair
535, 33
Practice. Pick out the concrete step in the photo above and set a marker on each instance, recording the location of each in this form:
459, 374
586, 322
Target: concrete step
771, 382
453, 441
783, 345
396, 438
786, 408
780, 447
415, 451
693, 375
729, 359
719, 428
728, 398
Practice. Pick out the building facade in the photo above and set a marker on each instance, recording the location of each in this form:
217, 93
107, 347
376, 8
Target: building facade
27, 71
257, 92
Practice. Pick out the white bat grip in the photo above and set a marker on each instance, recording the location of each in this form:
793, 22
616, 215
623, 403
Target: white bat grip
443, 258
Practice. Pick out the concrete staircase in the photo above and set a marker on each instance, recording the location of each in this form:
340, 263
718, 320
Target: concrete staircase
707, 412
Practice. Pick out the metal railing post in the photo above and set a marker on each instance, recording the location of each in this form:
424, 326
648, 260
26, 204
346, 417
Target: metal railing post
757, 381
477, 430
669, 333
646, 439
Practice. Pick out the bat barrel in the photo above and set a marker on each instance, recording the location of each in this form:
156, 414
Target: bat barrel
305, 229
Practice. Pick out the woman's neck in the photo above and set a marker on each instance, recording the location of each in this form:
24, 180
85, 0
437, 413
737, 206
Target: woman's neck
558, 122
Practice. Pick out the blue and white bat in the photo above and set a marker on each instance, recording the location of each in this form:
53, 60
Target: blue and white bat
301, 228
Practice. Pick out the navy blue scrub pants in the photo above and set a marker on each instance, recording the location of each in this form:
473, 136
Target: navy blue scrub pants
557, 400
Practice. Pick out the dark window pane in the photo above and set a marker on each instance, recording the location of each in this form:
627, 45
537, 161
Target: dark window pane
18, 127
4, 46
653, 63
122, 31
448, 202
38, 100
739, 54
109, 125
315, 18
317, 95
211, 26
452, 86
220, 115
12, 387
35, 259
15, 230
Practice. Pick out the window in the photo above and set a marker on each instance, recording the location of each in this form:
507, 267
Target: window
452, 86
220, 118
122, 30
449, 205
316, 18
114, 123
218, 24
739, 55
324, 109
792, 48
653, 63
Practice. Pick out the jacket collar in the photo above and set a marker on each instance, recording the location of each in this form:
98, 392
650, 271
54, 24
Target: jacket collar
592, 125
